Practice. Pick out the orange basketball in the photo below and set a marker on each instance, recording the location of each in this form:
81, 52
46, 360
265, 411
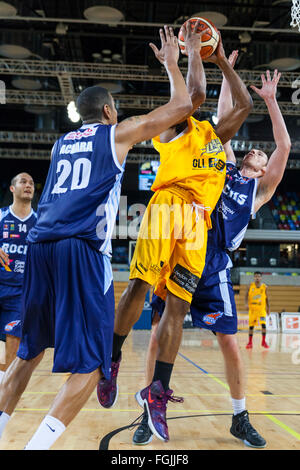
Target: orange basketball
210, 39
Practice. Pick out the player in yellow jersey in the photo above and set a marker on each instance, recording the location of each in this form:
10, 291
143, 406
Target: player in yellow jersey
258, 304
171, 246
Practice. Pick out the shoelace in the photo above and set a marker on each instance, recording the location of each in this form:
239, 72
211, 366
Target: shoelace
246, 426
162, 400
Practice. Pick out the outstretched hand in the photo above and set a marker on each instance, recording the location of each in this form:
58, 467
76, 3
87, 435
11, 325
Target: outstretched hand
219, 53
192, 38
269, 85
169, 51
4, 258
233, 57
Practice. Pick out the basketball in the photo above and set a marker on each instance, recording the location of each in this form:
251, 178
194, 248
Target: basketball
209, 40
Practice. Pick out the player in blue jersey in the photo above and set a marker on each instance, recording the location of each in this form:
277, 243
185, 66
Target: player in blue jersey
16, 221
68, 300
213, 305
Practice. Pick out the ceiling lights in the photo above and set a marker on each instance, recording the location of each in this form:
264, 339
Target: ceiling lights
7, 10
23, 83
103, 13
13, 51
218, 19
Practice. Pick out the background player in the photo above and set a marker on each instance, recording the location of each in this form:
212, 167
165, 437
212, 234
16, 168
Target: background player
213, 305
176, 143
257, 303
15, 224
68, 289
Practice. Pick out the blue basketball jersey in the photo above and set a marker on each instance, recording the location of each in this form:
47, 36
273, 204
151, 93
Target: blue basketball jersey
82, 191
230, 219
13, 234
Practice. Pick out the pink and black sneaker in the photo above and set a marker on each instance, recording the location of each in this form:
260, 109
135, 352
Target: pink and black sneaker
107, 390
155, 399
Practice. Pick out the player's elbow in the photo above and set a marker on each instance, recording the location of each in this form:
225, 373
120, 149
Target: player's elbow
184, 108
198, 97
245, 105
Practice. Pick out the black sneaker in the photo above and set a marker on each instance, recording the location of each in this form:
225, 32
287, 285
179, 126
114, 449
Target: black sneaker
242, 429
143, 435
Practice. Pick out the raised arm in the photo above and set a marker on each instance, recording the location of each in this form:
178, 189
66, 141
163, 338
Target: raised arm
277, 162
231, 122
4, 258
139, 128
195, 79
225, 105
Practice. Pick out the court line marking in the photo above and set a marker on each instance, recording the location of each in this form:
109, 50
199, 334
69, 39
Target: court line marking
184, 394
268, 415
102, 410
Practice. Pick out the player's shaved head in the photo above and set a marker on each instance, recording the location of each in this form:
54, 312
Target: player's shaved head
17, 177
91, 101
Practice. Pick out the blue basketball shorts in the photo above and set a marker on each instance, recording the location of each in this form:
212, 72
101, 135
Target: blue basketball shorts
213, 305
10, 310
68, 305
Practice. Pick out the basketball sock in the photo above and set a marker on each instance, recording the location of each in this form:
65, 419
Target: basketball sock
48, 432
117, 346
4, 417
1, 375
238, 405
263, 339
163, 372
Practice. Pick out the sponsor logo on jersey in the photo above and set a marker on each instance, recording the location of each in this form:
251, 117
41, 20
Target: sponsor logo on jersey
211, 318
13, 248
76, 135
11, 325
182, 277
211, 162
225, 210
214, 146
19, 266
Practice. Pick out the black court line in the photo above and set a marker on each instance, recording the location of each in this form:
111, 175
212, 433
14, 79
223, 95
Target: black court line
104, 443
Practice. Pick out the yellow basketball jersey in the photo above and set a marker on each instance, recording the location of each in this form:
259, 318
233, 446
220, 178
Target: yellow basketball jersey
257, 296
194, 161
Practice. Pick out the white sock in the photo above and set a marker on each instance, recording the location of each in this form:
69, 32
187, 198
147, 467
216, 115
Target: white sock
238, 405
1, 375
3, 421
48, 432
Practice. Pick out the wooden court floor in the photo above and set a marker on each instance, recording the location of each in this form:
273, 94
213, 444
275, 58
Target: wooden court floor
202, 421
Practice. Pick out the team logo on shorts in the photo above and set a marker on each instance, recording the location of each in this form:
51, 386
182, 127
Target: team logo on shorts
11, 325
211, 318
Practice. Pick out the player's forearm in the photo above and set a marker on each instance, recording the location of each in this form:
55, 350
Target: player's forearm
179, 95
280, 133
239, 93
196, 79
225, 100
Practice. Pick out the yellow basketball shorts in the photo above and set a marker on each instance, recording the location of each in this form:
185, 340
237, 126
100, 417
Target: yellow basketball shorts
257, 317
171, 246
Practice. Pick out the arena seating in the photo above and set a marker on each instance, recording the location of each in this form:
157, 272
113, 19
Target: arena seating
286, 210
